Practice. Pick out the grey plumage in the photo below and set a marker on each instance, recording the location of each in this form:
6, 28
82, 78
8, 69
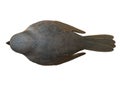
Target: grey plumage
53, 42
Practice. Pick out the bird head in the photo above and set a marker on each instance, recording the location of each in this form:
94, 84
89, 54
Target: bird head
21, 42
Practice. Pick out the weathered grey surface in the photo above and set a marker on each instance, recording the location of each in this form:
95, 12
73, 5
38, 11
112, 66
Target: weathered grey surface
53, 42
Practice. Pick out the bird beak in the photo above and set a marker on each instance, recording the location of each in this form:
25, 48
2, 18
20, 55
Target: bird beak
8, 42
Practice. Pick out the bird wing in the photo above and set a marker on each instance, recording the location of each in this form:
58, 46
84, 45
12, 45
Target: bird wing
66, 27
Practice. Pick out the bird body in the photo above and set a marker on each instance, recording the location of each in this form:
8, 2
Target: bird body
53, 42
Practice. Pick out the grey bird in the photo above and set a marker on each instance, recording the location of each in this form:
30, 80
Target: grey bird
52, 42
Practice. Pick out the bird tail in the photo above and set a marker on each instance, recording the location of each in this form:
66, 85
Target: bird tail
103, 43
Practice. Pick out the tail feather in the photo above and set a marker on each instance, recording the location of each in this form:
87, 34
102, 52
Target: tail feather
102, 43
100, 36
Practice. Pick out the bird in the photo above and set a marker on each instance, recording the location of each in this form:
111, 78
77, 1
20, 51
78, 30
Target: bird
50, 42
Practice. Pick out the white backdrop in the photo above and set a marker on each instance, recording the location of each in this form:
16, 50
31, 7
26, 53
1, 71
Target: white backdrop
92, 69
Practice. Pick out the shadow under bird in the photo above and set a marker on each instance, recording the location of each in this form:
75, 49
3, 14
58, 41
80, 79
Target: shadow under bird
53, 42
